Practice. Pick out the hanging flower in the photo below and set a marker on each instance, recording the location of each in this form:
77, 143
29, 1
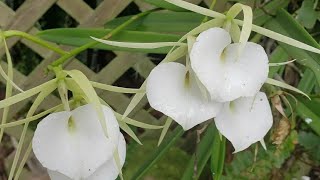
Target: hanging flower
245, 121
227, 72
172, 89
73, 145
107, 171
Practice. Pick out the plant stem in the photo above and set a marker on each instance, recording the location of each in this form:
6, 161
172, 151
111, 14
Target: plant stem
76, 51
211, 7
34, 39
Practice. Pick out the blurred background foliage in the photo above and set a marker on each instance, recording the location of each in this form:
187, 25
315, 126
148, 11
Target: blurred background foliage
294, 142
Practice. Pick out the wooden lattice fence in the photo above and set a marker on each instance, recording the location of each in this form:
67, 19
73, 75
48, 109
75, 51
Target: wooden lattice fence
25, 19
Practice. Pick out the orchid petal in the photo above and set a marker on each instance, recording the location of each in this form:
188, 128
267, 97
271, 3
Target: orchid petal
79, 148
245, 120
169, 93
108, 171
227, 73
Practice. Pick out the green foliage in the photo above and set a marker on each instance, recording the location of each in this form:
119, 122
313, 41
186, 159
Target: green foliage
165, 5
79, 37
161, 22
243, 165
171, 165
158, 153
218, 155
285, 24
307, 15
201, 156
311, 143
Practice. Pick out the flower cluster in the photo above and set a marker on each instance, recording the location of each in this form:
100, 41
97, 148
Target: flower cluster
223, 82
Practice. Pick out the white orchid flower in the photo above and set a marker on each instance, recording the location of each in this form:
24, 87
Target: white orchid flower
245, 121
107, 171
74, 143
172, 89
227, 72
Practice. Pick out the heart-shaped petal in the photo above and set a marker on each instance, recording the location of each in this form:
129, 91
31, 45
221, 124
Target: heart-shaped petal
245, 121
226, 72
108, 171
175, 93
78, 147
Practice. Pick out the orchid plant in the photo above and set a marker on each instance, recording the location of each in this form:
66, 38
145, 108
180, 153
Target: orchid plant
221, 78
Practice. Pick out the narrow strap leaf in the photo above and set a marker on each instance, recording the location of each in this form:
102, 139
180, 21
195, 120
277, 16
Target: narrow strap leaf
26, 94
44, 93
134, 101
281, 63
9, 77
235, 32
8, 86
285, 86
23, 161
116, 158
139, 45
203, 27
263, 144
282, 38
165, 130
255, 28
115, 88
130, 121
247, 20
136, 123
129, 131
32, 118
195, 8
176, 54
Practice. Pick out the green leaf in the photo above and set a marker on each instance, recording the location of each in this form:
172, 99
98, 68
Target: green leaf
307, 15
129, 131
160, 22
168, 167
263, 14
218, 155
311, 143
285, 24
285, 86
309, 112
165, 129
115, 88
26, 94
158, 153
139, 45
203, 154
243, 165
135, 122
78, 37
277, 56
165, 5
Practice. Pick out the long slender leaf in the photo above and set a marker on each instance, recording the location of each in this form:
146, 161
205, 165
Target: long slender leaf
129, 131
161, 22
285, 24
309, 112
78, 37
159, 152
218, 155
202, 156
164, 4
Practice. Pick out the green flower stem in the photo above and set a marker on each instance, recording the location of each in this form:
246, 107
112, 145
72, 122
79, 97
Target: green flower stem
11, 33
76, 51
211, 7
